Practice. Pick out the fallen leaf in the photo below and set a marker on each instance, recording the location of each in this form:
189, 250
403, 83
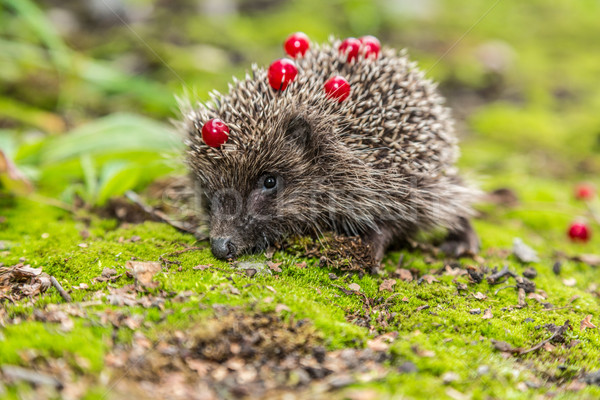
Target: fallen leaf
301, 264
354, 286
487, 314
480, 296
454, 271
381, 342
387, 284
586, 323
144, 271
404, 274
274, 266
202, 267
428, 278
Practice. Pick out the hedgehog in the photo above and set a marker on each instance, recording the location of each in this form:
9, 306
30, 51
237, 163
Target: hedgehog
348, 137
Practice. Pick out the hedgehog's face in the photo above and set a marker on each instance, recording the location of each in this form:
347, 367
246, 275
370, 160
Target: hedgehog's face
254, 196
243, 218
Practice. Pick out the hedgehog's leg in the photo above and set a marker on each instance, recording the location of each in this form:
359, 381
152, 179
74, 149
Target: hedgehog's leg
461, 241
378, 241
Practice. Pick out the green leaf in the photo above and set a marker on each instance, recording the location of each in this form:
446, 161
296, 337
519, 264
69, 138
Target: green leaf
117, 178
114, 133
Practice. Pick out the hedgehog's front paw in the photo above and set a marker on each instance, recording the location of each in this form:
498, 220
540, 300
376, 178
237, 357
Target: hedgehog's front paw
462, 241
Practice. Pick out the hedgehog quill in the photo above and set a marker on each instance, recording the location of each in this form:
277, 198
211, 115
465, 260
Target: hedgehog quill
347, 137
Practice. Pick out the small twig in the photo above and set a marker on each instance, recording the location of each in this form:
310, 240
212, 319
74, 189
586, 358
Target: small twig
60, 289
151, 211
502, 288
561, 329
175, 253
494, 278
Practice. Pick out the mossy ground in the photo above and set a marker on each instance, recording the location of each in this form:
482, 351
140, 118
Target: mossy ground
530, 126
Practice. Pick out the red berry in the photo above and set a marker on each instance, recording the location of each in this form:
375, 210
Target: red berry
215, 132
281, 73
296, 44
350, 46
584, 191
578, 231
337, 88
370, 46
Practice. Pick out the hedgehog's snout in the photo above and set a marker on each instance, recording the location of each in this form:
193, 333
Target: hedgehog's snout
223, 248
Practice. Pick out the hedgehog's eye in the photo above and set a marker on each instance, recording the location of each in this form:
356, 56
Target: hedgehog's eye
270, 182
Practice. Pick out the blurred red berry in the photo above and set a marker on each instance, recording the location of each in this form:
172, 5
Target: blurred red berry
337, 88
579, 231
584, 191
350, 46
370, 46
296, 44
281, 73
215, 132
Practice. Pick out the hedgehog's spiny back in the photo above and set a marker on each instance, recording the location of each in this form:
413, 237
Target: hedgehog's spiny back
393, 119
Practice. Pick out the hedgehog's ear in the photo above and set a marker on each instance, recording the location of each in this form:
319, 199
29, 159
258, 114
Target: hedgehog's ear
299, 132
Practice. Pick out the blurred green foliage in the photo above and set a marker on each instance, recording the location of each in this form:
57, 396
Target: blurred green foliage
522, 77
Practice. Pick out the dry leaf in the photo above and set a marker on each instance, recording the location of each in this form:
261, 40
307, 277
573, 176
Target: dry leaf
480, 296
301, 264
354, 286
387, 284
274, 266
429, 278
144, 271
202, 267
487, 314
586, 323
381, 342
404, 274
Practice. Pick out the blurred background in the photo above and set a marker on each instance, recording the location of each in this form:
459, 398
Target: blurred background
87, 88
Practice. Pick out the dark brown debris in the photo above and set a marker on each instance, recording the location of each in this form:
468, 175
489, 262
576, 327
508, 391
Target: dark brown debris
21, 281
240, 354
497, 277
336, 251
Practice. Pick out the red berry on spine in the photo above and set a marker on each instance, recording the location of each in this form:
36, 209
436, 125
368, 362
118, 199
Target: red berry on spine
584, 191
296, 44
215, 132
350, 46
281, 73
337, 88
370, 46
579, 231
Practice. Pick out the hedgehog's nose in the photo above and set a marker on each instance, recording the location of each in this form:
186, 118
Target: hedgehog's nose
222, 248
